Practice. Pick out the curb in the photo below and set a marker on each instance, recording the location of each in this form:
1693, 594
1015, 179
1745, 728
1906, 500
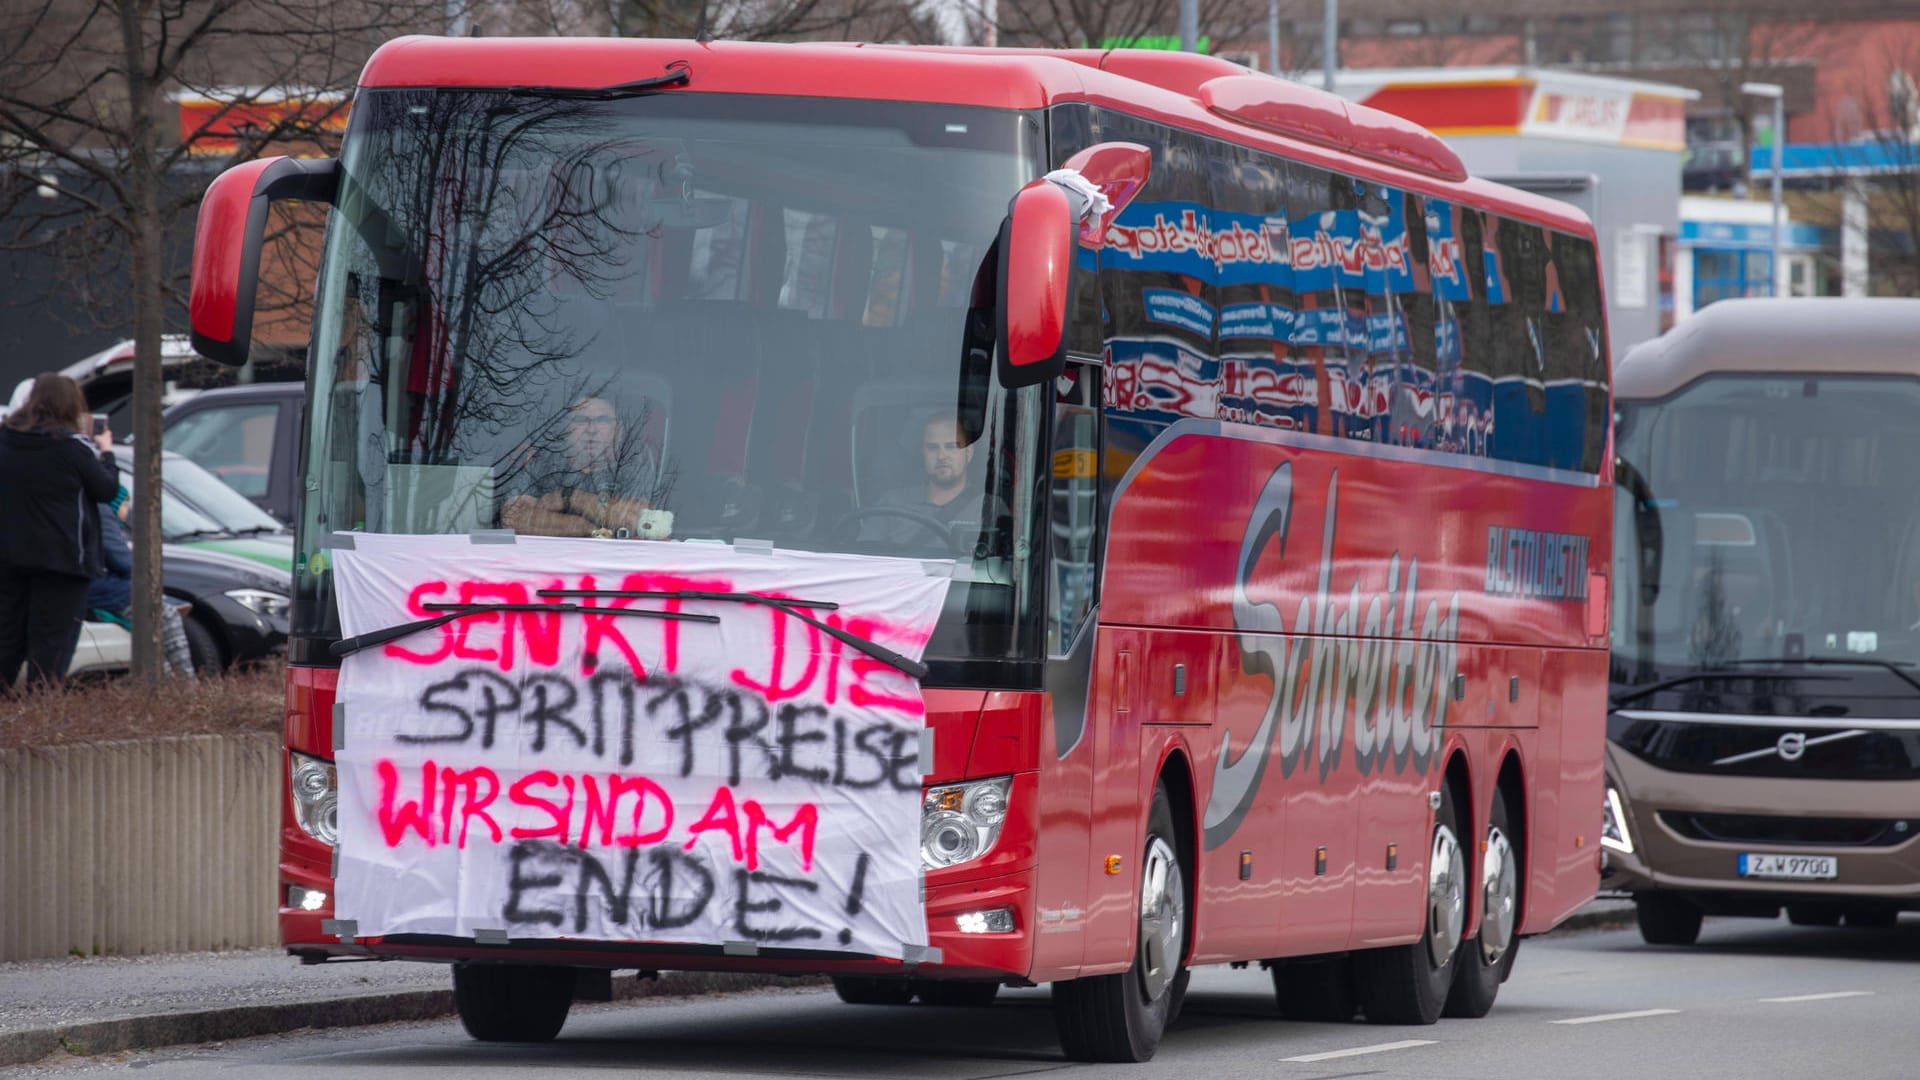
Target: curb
245, 1021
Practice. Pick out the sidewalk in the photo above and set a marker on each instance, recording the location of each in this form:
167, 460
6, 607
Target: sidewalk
103, 1005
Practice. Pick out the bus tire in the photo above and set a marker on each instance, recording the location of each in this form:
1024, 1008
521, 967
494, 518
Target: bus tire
1408, 984
1814, 914
957, 994
868, 990
1873, 917
1315, 988
1121, 1017
1487, 960
1666, 919
512, 1002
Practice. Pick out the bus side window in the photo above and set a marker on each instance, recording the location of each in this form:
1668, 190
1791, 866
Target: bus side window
1069, 131
1074, 506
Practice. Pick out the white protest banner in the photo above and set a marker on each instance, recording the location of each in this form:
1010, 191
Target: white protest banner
735, 776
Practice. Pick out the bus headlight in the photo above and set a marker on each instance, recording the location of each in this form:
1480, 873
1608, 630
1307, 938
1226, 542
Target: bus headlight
315, 788
960, 822
1613, 828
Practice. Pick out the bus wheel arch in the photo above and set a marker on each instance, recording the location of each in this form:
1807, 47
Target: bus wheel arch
1410, 984
1121, 1017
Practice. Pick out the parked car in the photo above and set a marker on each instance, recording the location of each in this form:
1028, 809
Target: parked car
104, 649
240, 607
197, 509
239, 613
248, 436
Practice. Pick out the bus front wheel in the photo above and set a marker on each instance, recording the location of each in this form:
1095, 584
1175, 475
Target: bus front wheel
1121, 1017
512, 1002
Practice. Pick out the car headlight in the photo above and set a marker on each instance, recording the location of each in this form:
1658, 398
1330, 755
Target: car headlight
315, 787
262, 601
1613, 828
960, 822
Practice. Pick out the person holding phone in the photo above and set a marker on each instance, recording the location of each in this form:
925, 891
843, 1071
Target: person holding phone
54, 472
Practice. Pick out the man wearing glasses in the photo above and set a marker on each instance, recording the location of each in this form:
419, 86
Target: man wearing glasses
595, 483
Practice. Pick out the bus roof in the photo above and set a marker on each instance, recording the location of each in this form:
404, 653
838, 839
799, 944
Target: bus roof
1161, 86
1804, 335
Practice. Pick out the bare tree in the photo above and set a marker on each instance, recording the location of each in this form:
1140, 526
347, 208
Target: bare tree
84, 93
1876, 158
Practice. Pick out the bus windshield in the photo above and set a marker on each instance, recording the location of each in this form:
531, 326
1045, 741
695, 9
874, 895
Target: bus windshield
1761, 520
678, 317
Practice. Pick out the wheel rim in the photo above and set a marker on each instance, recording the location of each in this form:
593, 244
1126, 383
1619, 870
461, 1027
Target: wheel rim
1446, 896
1163, 902
1502, 887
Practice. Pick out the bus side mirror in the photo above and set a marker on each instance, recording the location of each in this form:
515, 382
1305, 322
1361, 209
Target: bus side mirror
1036, 264
226, 246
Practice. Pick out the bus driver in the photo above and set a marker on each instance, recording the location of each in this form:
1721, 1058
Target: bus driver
594, 489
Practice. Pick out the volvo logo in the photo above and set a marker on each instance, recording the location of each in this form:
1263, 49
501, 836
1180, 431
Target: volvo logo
1791, 745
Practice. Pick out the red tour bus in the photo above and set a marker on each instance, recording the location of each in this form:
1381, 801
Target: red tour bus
1259, 456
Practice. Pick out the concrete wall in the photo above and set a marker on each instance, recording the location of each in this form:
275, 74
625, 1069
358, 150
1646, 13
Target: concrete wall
165, 845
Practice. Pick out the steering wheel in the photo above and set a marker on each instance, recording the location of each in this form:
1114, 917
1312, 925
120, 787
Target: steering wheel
946, 531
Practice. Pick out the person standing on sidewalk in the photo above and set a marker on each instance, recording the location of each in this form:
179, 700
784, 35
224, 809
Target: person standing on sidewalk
52, 478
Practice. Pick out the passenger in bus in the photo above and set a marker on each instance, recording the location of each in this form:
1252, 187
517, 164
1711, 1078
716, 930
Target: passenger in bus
948, 495
595, 483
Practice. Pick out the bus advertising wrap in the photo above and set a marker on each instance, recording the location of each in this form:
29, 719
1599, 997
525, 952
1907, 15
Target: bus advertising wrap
714, 771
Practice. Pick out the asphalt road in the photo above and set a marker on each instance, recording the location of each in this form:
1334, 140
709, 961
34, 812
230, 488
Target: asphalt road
1755, 1000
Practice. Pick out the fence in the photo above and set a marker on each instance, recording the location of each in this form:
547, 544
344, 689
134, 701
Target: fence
162, 845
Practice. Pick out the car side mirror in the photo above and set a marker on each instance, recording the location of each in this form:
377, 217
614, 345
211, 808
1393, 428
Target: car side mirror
227, 240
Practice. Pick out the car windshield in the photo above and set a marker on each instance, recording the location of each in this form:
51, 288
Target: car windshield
179, 520
1765, 519
214, 499
678, 317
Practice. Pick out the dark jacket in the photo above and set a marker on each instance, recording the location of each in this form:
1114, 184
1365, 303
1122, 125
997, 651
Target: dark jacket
113, 590
50, 486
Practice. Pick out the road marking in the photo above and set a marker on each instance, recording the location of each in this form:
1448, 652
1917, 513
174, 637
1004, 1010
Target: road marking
1378, 1048
1604, 1017
1818, 997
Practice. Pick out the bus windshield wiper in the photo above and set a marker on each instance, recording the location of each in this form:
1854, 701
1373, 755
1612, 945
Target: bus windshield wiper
785, 606
450, 612
678, 74
1898, 668
1634, 694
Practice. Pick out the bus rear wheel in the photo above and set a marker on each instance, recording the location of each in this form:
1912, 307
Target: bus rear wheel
1666, 919
1121, 1017
512, 1002
868, 990
1315, 988
1408, 984
957, 994
1487, 960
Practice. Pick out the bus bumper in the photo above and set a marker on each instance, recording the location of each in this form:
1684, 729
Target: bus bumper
956, 913
1688, 834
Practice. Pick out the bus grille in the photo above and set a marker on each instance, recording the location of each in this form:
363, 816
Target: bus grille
1793, 831
1810, 753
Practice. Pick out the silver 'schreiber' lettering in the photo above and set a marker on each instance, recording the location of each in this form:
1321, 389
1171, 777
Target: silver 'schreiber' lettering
1385, 662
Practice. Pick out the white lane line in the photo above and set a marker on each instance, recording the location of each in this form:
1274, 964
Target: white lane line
1604, 1017
1818, 997
1378, 1048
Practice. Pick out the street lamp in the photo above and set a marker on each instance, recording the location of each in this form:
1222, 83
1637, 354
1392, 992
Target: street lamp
1774, 91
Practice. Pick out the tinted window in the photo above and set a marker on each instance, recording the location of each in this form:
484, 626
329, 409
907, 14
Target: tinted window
233, 442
